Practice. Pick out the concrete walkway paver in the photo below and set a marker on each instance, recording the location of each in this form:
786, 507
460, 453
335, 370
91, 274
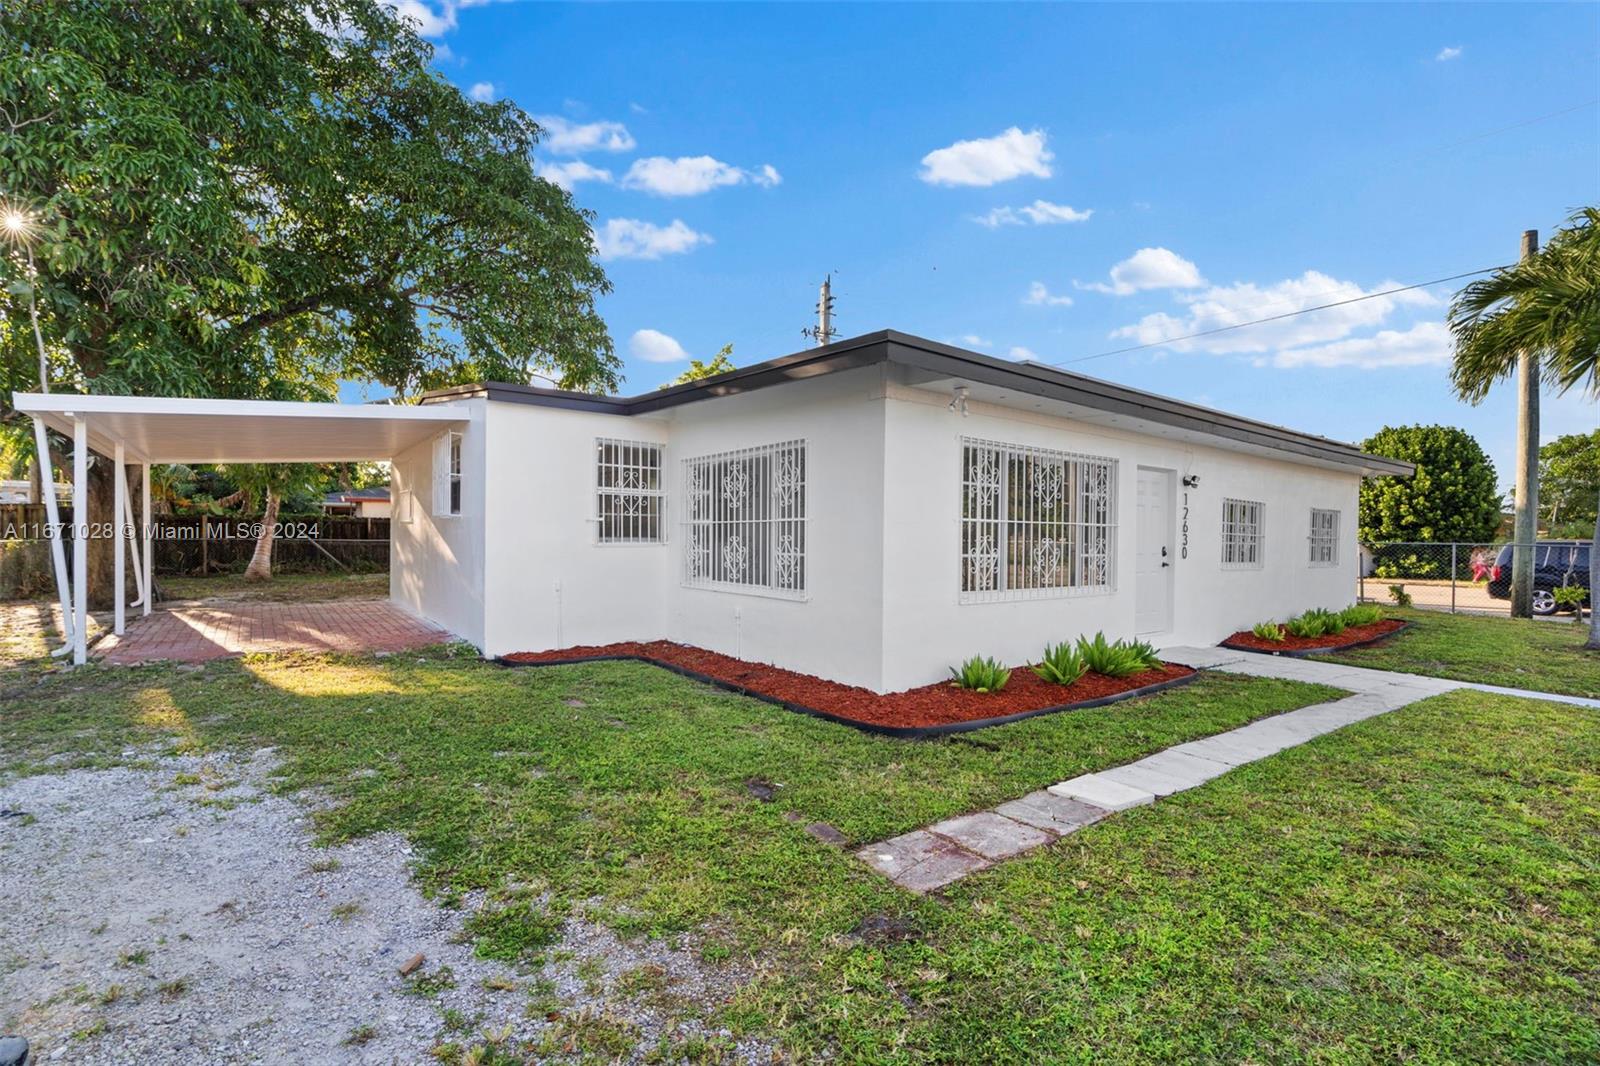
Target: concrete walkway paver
928, 859
199, 632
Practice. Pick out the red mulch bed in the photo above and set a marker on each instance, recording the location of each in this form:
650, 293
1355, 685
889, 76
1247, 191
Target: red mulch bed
1352, 635
931, 705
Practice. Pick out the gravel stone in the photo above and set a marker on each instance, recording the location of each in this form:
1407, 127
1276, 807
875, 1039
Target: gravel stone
152, 920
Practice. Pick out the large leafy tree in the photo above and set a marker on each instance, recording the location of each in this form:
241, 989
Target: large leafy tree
1548, 304
1452, 497
257, 199
1569, 482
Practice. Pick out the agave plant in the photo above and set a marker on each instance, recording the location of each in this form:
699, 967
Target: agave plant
1061, 665
1111, 658
1268, 631
981, 674
1362, 614
1146, 652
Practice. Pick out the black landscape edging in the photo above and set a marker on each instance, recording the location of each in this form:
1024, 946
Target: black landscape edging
900, 732
1306, 653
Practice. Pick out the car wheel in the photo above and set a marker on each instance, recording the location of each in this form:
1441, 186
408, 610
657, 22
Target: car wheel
1544, 601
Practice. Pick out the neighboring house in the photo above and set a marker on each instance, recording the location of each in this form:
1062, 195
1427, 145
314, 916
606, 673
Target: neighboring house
21, 491
360, 503
871, 511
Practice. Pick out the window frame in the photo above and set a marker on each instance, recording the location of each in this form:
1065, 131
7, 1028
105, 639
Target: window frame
653, 500
449, 487
1071, 518
1326, 539
715, 527
1235, 528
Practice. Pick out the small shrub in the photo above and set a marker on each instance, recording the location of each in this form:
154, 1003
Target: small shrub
1571, 598
1146, 652
1333, 622
1400, 596
1306, 626
1111, 658
981, 674
1362, 614
1268, 631
1061, 665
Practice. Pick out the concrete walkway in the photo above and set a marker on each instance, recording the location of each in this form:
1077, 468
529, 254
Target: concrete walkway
927, 859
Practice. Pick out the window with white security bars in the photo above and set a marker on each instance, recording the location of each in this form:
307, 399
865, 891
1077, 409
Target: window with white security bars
1241, 534
1035, 523
447, 474
1324, 537
629, 492
744, 522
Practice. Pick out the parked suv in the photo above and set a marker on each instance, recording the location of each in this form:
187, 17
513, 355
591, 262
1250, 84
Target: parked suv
1555, 563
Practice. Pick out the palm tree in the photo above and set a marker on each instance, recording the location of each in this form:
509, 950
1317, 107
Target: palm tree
1547, 305
268, 483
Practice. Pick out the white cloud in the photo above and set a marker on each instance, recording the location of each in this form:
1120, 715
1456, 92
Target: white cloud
628, 238
482, 91
562, 137
1039, 294
1038, 213
1230, 305
989, 160
972, 340
1150, 268
653, 346
1448, 53
1425, 344
692, 175
432, 18
569, 174
1020, 353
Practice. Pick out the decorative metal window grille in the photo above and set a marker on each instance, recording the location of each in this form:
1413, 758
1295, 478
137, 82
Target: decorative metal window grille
745, 519
447, 474
630, 497
1241, 534
1324, 537
1035, 523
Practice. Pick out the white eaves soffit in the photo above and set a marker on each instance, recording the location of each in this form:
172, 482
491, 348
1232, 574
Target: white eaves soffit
165, 429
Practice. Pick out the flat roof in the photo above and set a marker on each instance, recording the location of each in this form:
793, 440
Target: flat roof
166, 429
1077, 395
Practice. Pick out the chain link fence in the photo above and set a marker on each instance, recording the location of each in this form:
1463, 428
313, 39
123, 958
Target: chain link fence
1472, 578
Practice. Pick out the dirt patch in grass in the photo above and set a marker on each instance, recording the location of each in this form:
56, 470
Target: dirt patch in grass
930, 706
1353, 635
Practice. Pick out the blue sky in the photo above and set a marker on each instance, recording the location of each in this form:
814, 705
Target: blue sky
1058, 181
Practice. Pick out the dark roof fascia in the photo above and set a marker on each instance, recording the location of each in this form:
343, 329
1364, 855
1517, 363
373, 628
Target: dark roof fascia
1083, 391
945, 360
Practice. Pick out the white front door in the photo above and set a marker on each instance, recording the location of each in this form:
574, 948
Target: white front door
1152, 611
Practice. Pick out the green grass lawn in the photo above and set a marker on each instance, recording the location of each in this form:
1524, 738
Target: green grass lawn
1516, 652
1422, 885
283, 588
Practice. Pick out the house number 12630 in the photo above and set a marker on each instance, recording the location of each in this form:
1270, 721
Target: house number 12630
1183, 545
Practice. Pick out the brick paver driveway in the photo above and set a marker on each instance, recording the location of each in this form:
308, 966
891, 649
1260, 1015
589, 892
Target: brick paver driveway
197, 632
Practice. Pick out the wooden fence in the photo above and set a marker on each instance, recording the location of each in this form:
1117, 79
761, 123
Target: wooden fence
196, 544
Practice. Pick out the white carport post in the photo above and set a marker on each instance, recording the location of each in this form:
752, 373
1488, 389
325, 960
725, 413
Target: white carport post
52, 513
119, 509
80, 541
149, 591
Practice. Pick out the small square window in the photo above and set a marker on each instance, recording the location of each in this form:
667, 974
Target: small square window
1241, 534
628, 490
1324, 537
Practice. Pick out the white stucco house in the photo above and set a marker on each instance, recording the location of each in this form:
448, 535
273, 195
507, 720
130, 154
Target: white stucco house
871, 511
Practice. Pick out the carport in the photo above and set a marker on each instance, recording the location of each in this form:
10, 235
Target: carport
160, 429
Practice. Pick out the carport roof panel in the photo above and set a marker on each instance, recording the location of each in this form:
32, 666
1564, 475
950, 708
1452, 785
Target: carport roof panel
163, 429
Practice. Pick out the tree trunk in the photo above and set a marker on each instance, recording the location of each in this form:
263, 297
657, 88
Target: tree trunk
1526, 520
260, 568
1594, 586
100, 518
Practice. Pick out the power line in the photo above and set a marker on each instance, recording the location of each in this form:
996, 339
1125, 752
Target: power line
1273, 318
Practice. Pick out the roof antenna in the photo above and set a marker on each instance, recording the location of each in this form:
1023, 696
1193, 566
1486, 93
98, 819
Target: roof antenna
823, 331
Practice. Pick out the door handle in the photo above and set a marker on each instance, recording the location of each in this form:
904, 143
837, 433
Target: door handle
1164, 563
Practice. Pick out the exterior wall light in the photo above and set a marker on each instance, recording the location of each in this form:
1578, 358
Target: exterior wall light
958, 400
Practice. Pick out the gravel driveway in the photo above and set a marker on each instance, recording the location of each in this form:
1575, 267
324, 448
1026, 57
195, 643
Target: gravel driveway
177, 912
